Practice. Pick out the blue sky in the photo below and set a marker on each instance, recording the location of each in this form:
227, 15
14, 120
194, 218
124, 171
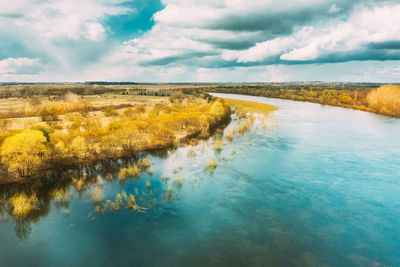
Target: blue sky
199, 41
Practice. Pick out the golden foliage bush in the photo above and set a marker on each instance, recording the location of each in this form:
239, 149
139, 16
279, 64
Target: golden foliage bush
218, 145
60, 195
230, 134
212, 165
79, 148
244, 126
22, 205
24, 151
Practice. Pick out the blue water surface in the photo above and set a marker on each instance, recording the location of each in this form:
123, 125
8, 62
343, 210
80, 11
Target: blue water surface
320, 185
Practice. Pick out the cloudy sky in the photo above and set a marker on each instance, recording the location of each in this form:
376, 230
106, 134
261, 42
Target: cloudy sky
199, 41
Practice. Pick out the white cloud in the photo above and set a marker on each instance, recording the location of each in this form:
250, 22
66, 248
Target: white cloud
192, 40
368, 25
20, 66
268, 49
55, 19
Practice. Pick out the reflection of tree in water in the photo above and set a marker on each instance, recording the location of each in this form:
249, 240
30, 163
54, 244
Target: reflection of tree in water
54, 187
23, 229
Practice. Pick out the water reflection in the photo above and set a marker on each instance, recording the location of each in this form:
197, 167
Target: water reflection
141, 184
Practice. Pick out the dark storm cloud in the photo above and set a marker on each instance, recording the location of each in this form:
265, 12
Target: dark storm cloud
356, 55
385, 45
231, 45
284, 22
275, 24
213, 61
188, 56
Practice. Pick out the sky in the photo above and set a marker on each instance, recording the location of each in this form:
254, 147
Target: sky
199, 41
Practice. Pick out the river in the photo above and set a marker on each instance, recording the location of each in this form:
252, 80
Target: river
318, 186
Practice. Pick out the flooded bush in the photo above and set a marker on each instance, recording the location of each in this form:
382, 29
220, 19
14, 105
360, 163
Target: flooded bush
218, 145
134, 170
118, 202
149, 171
122, 173
230, 134
144, 163
193, 142
178, 182
244, 127
98, 209
60, 196
170, 194
98, 195
78, 183
66, 212
148, 185
132, 202
164, 177
124, 196
22, 205
212, 165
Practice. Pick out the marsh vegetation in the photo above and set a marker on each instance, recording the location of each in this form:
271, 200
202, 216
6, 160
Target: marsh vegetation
74, 131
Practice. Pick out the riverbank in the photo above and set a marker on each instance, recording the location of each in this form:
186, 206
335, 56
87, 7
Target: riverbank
384, 100
87, 138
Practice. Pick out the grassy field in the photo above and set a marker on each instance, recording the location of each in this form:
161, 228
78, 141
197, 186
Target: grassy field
97, 101
250, 106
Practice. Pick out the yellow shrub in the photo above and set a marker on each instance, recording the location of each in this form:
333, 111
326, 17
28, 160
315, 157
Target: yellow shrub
79, 148
122, 173
134, 170
230, 134
23, 205
218, 145
24, 151
60, 195
212, 165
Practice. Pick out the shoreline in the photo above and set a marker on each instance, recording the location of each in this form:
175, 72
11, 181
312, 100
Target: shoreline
365, 109
68, 162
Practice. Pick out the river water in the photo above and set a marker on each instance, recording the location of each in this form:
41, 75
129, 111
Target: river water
319, 185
